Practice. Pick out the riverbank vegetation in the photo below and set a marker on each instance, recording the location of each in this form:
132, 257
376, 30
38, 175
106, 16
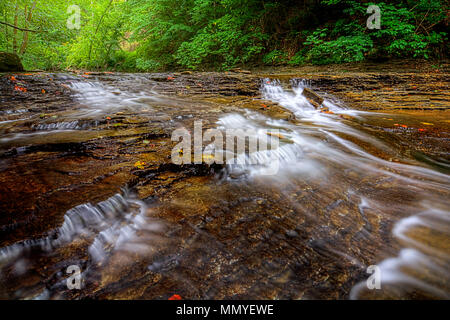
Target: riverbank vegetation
154, 35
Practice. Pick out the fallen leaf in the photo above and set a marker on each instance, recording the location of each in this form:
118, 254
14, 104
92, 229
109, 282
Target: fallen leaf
43, 91
175, 297
22, 89
207, 157
427, 124
279, 135
140, 165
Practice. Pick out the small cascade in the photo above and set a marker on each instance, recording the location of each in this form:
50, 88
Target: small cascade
421, 267
112, 222
65, 125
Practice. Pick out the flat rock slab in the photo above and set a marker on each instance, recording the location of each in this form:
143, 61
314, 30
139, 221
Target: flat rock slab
312, 97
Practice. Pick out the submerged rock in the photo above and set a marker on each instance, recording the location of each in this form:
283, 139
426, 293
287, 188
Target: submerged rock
10, 62
312, 97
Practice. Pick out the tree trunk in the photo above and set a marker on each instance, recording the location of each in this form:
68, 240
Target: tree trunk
6, 31
96, 29
15, 25
23, 48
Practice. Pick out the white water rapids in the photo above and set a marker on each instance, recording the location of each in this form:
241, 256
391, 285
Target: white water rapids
315, 150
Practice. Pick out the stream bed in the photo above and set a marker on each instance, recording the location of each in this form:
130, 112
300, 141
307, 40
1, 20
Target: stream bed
86, 180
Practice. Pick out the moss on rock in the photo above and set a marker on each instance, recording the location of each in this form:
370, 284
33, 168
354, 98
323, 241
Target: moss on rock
10, 62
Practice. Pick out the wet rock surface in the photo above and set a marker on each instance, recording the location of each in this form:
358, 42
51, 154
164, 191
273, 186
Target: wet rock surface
87, 179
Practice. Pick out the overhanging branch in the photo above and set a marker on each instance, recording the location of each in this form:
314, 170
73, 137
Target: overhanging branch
21, 29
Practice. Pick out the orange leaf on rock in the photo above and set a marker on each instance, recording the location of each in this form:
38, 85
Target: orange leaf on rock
17, 88
140, 164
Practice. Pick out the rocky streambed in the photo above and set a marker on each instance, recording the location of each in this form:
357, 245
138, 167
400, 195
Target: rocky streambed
87, 180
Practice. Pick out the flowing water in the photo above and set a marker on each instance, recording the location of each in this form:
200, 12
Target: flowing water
343, 197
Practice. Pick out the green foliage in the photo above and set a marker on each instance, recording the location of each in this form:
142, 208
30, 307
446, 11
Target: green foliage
408, 29
407, 32
343, 49
299, 58
144, 65
275, 57
154, 35
222, 44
